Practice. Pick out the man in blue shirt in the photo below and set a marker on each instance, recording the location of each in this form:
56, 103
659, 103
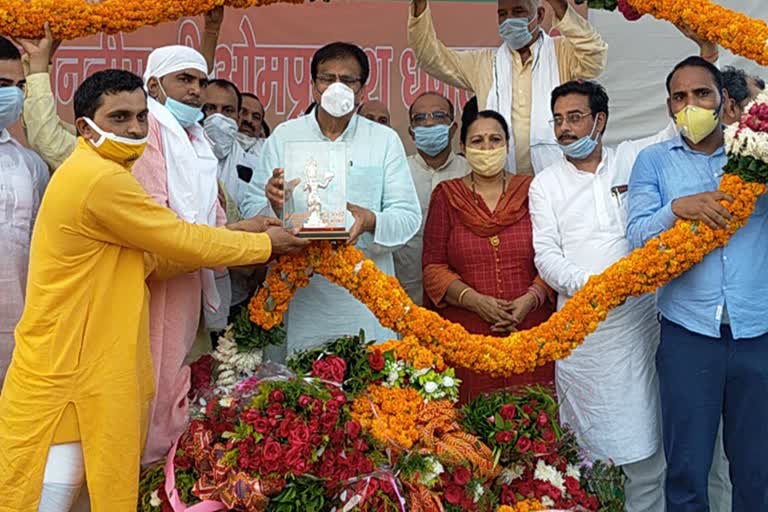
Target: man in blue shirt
713, 355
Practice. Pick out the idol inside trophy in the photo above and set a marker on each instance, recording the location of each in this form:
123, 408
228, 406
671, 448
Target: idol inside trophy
315, 177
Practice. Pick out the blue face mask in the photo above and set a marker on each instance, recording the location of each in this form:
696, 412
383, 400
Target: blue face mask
514, 32
583, 147
186, 115
11, 101
432, 140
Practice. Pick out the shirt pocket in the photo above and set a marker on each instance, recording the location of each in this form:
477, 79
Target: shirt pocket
365, 187
619, 197
17, 203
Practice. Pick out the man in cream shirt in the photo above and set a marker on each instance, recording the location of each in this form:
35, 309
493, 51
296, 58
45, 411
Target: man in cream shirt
432, 129
517, 79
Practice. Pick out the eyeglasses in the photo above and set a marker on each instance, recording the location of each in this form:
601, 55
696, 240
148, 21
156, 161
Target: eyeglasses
353, 82
572, 118
437, 117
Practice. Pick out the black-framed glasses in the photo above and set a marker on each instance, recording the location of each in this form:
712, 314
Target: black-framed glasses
353, 82
572, 118
438, 117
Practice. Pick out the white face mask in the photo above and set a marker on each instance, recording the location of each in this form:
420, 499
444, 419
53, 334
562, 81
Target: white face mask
247, 142
338, 100
221, 131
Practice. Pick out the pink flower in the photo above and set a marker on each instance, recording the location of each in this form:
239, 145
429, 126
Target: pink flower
330, 368
505, 437
274, 409
353, 429
508, 412
453, 494
272, 450
299, 434
523, 445
629, 12
461, 475
376, 360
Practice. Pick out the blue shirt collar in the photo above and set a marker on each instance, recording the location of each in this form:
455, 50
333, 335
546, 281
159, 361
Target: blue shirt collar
679, 143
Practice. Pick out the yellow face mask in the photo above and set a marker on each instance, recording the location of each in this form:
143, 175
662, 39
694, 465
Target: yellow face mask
695, 123
487, 162
121, 150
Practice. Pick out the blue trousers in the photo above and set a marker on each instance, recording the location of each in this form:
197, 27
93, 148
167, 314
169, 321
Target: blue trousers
701, 378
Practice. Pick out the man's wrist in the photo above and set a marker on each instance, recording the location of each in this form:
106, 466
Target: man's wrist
419, 6
559, 7
710, 52
37, 65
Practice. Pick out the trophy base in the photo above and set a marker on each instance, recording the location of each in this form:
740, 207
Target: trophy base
323, 234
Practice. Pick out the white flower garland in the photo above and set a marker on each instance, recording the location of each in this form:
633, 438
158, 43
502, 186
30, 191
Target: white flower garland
234, 365
742, 140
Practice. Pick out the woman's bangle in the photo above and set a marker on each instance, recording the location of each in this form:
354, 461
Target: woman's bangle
538, 294
462, 294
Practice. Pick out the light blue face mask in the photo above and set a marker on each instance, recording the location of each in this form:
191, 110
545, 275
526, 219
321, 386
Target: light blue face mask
583, 147
514, 32
432, 140
186, 115
11, 101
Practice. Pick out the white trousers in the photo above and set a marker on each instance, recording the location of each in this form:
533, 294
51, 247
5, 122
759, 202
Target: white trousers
63, 479
644, 487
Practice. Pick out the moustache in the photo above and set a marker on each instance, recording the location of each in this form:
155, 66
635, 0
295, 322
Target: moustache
248, 124
567, 137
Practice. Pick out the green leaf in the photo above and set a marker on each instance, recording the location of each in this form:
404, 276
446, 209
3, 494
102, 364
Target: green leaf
249, 336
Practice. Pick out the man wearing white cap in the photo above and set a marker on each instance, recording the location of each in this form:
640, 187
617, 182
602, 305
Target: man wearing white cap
178, 170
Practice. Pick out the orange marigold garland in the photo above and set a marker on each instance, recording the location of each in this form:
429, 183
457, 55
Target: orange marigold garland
643, 271
522, 506
390, 415
735, 31
410, 350
70, 19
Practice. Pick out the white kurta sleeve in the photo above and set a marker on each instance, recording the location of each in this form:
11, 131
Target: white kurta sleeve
400, 216
627, 151
40, 176
561, 274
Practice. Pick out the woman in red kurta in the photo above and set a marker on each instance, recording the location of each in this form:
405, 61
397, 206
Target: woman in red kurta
478, 251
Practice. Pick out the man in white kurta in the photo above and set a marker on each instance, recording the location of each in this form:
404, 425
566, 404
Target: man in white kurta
23, 178
517, 78
379, 186
608, 388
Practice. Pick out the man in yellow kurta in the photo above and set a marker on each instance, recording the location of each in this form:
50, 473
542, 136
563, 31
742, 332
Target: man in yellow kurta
81, 370
516, 79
